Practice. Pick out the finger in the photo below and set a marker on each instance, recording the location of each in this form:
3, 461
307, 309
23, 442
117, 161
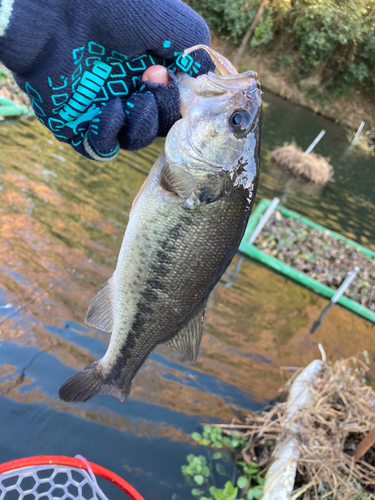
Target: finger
156, 74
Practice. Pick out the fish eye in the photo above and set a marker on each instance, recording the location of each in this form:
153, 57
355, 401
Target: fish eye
239, 122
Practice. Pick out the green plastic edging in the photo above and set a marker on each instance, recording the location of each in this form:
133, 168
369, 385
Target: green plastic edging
279, 266
9, 108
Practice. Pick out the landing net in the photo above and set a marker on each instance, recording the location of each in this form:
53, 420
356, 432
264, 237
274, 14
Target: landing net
62, 478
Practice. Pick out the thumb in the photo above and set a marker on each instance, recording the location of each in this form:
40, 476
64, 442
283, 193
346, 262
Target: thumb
156, 74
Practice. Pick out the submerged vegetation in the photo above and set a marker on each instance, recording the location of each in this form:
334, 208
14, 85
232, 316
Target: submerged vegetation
226, 450
320, 255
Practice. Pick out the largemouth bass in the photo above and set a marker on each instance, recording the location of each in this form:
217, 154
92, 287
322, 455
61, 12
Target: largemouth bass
184, 229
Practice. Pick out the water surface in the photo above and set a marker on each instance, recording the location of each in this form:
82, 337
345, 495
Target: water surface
62, 220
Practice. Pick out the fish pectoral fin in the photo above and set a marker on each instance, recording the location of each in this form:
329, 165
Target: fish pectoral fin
188, 340
176, 180
89, 383
100, 311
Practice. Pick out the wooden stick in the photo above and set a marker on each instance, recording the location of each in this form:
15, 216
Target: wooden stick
365, 445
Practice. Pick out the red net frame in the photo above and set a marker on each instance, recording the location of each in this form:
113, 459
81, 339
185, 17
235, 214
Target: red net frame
78, 464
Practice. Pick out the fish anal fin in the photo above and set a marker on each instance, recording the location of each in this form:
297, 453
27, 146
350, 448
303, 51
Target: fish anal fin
100, 311
176, 180
188, 340
88, 383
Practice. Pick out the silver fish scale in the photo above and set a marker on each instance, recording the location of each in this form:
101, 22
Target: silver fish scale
182, 267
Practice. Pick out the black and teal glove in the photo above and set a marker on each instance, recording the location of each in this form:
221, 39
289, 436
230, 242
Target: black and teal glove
81, 63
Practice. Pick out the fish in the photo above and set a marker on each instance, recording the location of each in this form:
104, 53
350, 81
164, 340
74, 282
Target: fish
184, 229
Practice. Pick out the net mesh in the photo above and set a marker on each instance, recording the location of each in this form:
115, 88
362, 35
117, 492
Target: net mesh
49, 482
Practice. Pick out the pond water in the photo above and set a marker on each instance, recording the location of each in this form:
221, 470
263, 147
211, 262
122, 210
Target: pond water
62, 220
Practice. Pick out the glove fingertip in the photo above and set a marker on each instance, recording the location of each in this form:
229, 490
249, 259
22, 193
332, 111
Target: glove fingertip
141, 125
167, 98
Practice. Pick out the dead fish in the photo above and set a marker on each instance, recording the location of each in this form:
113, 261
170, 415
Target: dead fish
185, 227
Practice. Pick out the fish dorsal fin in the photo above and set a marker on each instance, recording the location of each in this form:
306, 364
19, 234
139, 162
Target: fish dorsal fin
188, 340
100, 311
176, 180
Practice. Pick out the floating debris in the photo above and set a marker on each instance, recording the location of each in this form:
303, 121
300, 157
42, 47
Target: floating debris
311, 167
320, 255
332, 433
366, 142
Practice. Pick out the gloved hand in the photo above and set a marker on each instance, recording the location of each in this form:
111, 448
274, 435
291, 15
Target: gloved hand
81, 63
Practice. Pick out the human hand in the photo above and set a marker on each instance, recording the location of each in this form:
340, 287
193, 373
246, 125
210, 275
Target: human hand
85, 80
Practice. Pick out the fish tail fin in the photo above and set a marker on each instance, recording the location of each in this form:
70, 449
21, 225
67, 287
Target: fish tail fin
89, 383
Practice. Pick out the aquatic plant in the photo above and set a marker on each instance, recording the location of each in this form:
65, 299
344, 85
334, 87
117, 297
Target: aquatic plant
311, 167
336, 459
200, 472
320, 255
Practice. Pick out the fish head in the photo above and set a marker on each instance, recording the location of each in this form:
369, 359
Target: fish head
220, 125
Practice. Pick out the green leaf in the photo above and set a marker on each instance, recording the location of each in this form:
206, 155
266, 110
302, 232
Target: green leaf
242, 482
206, 471
217, 455
250, 495
230, 491
218, 494
196, 436
196, 492
235, 443
199, 479
220, 469
260, 480
255, 493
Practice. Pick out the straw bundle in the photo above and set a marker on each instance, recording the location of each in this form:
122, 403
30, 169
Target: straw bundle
311, 167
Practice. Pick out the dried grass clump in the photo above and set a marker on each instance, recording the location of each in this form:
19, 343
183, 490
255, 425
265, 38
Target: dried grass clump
366, 142
311, 167
342, 413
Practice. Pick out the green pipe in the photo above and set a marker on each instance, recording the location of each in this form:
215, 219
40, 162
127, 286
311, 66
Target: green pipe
279, 266
9, 108
276, 264
255, 216
12, 111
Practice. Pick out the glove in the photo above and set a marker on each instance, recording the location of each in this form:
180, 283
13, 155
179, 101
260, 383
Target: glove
81, 64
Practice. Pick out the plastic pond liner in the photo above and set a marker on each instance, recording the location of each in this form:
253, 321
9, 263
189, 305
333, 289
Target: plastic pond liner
301, 277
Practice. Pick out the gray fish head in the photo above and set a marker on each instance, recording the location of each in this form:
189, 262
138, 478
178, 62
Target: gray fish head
220, 125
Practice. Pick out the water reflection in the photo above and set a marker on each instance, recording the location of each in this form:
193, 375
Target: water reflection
62, 219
